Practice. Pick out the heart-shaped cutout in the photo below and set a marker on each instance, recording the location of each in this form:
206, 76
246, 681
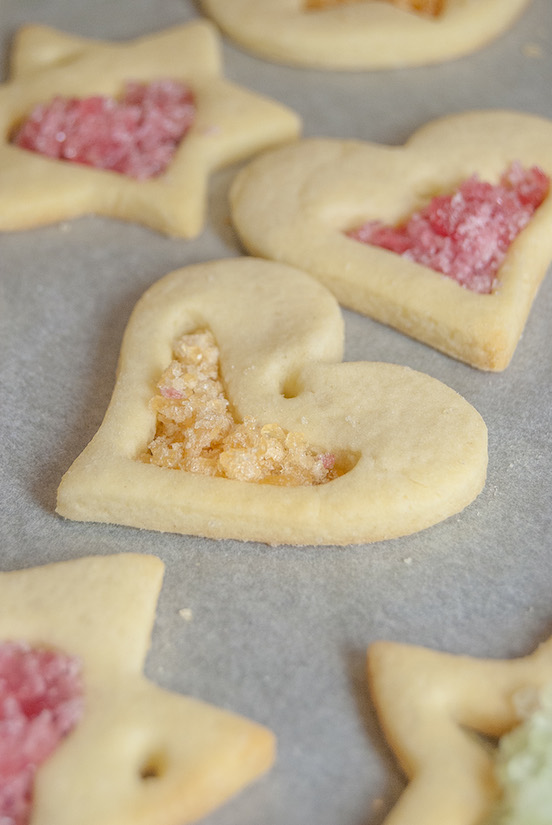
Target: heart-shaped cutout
326, 187
136, 134
414, 451
362, 34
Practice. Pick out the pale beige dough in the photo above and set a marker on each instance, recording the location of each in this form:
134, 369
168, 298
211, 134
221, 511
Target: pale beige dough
295, 204
230, 124
361, 35
431, 705
417, 450
101, 609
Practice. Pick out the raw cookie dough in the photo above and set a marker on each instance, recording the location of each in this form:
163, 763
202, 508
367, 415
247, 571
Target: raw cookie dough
361, 35
230, 124
326, 187
431, 707
139, 754
417, 450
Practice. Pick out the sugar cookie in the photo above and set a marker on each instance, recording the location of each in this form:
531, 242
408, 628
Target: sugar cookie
139, 753
327, 187
431, 707
230, 123
409, 450
363, 34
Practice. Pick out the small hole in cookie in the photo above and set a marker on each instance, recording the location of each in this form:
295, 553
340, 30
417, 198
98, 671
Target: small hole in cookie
487, 741
291, 388
154, 767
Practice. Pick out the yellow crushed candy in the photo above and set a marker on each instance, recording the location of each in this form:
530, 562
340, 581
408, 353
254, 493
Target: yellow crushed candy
431, 7
197, 432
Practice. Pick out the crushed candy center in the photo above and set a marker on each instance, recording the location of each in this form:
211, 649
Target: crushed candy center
197, 432
465, 235
41, 700
136, 135
430, 7
524, 763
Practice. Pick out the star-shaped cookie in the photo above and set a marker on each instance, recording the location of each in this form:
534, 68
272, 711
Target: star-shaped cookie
140, 754
230, 124
432, 706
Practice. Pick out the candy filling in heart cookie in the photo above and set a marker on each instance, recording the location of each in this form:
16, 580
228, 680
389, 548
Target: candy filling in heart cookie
431, 7
196, 430
136, 135
40, 703
465, 235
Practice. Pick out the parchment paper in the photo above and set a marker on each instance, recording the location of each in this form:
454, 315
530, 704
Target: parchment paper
280, 634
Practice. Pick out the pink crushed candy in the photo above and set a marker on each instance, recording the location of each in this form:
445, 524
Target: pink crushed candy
465, 235
40, 703
170, 392
136, 135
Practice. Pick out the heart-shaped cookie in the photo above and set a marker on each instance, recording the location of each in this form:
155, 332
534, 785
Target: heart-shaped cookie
326, 187
362, 34
410, 449
230, 123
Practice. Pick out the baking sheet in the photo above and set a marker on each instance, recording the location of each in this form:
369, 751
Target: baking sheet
280, 634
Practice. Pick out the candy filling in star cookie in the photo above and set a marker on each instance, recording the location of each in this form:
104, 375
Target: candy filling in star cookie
465, 235
136, 135
196, 430
431, 7
41, 700
524, 764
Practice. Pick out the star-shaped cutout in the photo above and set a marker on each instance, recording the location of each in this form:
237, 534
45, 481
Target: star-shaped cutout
139, 753
431, 707
230, 124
